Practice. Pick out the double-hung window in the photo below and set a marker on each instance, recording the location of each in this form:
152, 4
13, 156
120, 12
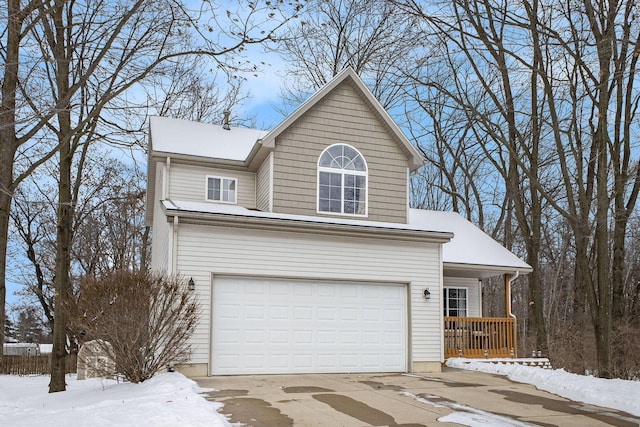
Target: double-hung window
220, 189
455, 302
342, 181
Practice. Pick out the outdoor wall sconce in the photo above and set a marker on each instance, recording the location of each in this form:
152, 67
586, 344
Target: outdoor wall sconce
192, 285
427, 294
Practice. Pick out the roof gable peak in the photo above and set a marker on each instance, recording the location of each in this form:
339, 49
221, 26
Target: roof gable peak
348, 74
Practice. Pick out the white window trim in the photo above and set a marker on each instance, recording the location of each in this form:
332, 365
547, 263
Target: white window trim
445, 300
221, 178
343, 172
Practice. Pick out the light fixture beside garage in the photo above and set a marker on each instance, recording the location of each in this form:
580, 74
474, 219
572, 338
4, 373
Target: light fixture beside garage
427, 294
192, 284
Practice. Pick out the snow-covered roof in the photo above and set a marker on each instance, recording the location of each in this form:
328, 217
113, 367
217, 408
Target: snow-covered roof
202, 139
228, 209
470, 245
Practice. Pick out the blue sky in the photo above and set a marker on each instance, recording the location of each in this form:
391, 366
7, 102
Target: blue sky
264, 90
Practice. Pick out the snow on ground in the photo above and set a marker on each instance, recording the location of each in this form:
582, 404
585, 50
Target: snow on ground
166, 400
171, 399
615, 393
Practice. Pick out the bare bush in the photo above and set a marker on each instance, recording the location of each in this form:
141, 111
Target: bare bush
143, 320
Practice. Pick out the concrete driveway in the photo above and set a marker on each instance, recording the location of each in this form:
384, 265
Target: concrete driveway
398, 400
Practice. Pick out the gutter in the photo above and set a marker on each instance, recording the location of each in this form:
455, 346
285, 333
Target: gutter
278, 224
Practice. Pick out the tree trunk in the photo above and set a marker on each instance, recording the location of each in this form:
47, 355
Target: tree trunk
8, 140
65, 209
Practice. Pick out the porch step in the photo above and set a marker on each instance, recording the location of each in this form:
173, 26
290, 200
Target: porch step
541, 362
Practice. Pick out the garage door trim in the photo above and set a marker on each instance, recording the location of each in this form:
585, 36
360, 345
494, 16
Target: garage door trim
397, 342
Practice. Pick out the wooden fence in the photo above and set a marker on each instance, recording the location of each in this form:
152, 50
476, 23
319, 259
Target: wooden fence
33, 365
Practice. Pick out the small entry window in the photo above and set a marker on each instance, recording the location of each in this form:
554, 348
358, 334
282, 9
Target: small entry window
220, 189
455, 302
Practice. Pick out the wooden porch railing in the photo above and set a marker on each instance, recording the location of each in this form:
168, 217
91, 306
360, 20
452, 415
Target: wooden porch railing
479, 337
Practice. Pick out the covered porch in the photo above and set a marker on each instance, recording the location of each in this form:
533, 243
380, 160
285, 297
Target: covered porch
482, 337
471, 255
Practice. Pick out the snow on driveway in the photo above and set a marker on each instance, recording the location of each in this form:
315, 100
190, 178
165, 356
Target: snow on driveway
617, 394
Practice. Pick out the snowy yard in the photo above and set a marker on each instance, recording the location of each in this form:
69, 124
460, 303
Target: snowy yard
171, 399
165, 400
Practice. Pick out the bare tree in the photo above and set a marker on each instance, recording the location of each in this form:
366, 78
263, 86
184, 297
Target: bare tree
466, 76
96, 53
15, 131
66, 64
371, 37
141, 321
108, 230
558, 112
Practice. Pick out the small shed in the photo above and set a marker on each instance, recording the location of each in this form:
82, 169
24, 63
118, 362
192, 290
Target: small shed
21, 349
94, 360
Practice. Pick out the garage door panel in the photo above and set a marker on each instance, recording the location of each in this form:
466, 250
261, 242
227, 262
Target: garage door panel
326, 361
279, 312
349, 314
280, 326
326, 337
229, 311
253, 311
302, 313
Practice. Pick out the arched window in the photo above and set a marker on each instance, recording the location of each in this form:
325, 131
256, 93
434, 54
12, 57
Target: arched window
342, 181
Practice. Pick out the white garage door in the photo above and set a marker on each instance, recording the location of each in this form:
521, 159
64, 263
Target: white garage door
267, 326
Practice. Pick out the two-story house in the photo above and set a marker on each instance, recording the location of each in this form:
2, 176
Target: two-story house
302, 248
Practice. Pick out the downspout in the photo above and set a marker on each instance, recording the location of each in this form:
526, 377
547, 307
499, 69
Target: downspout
408, 195
271, 181
507, 293
173, 259
166, 192
507, 307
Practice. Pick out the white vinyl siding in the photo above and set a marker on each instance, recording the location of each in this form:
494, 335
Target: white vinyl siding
188, 183
474, 293
160, 229
206, 251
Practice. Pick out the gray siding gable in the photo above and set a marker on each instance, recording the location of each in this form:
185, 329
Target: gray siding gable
340, 116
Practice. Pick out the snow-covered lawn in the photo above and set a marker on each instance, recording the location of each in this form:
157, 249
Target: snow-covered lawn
615, 394
166, 400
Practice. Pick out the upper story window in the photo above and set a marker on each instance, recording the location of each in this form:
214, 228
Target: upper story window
342, 181
220, 189
455, 302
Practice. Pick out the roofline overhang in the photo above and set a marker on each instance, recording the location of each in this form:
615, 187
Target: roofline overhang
199, 160
485, 271
306, 226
